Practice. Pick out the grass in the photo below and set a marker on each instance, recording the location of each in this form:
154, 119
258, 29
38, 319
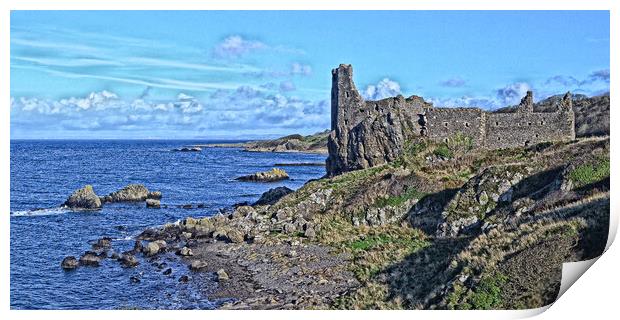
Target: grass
443, 151
395, 201
370, 242
590, 173
488, 293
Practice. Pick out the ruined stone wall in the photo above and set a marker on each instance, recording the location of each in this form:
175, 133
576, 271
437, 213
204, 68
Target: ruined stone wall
369, 133
525, 127
444, 123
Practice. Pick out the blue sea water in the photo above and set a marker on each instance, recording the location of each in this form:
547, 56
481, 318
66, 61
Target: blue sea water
44, 173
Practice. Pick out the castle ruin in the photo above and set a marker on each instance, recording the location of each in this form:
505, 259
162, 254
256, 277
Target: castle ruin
369, 133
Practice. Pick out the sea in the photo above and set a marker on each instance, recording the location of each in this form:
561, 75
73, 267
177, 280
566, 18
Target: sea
45, 172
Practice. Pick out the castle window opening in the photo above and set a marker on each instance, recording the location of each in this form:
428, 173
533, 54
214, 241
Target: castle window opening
496, 123
467, 124
499, 138
346, 93
536, 135
445, 124
529, 123
542, 123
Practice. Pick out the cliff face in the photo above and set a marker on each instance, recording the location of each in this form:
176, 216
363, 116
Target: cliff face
368, 133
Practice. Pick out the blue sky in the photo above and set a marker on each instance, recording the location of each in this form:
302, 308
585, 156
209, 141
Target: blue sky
252, 74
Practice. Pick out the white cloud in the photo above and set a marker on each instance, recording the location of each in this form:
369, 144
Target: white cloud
384, 89
301, 69
512, 93
236, 46
227, 113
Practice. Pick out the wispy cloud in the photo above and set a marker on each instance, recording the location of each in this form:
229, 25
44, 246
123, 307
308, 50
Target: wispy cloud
301, 69
600, 75
154, 82
236, 46
454, 82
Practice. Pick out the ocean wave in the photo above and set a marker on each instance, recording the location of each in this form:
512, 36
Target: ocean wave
127, 238
39, 212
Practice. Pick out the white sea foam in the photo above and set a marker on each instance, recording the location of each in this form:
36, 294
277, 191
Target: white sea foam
39, 212
127, 238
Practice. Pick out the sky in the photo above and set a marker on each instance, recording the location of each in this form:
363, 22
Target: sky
261, 74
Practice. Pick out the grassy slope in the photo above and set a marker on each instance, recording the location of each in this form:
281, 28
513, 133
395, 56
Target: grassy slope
513, 263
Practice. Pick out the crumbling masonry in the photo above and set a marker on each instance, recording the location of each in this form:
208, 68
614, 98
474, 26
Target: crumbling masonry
370, 133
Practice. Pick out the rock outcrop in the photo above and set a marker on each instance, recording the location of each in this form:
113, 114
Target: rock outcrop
272, 196
84, 198
130, 193
272, 175
69, 263
367, 133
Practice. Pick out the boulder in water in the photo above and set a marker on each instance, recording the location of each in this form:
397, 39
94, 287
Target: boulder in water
128, 260
84, 199
130, 193
152, 203
156, 195
272, 175
90, 259
151, 249
103, 243
69, 263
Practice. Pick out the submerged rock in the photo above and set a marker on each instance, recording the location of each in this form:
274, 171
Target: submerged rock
272, 175
272, 196
84, 198
69, 263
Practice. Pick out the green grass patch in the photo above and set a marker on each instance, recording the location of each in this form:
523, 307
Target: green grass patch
370, 242
590, 173
443, 151
488, 293
395, 201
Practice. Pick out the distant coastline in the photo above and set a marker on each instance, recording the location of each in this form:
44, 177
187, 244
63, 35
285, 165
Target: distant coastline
315, 143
